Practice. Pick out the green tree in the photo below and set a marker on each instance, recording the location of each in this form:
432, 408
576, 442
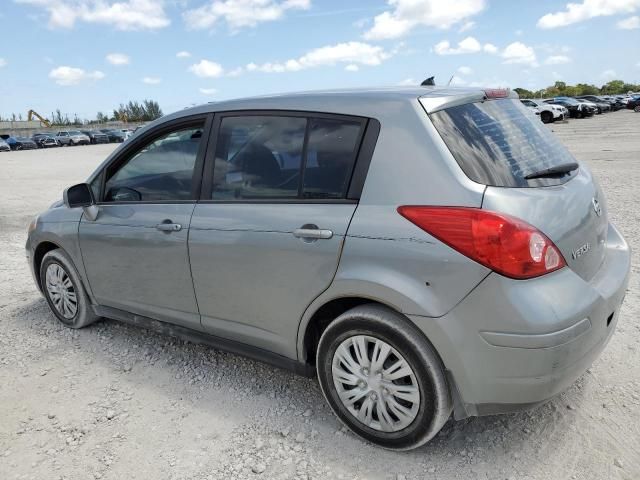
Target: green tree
613, 87
524, 93
586, 89
152, 110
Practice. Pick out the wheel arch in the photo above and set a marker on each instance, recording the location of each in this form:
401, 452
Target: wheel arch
40, 251
322, 313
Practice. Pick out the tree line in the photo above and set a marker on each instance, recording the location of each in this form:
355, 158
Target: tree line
133, 111
561, 89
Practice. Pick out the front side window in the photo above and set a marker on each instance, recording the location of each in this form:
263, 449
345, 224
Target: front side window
265, 157
162, 170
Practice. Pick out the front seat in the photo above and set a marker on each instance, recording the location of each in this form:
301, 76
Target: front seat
259, 165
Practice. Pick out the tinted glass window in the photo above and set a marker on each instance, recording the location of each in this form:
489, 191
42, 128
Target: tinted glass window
161, 170
331, 153
263, 157
258, 157
498, 143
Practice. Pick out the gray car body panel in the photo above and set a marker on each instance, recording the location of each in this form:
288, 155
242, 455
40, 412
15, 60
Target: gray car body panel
253, 278
58, 226
504, 342
160, 285
488, 375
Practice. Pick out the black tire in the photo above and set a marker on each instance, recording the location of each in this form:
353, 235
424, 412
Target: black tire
71, 144
84, 315
546, 117
397, 331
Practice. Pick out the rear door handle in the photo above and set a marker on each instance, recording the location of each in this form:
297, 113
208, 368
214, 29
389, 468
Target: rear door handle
168, 226
312, 233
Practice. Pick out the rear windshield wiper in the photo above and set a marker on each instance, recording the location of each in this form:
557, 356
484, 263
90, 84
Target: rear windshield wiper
553, 171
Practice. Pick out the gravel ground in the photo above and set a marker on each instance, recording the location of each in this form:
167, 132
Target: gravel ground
112, 401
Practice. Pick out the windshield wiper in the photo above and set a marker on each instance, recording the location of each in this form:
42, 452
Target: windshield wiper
553, 171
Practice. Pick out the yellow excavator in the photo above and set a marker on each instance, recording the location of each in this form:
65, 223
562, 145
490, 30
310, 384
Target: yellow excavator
33, 113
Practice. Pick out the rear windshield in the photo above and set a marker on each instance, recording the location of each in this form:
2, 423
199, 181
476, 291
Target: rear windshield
499, 143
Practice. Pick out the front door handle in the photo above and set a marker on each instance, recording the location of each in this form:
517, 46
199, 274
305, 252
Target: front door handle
312, 233
169, 226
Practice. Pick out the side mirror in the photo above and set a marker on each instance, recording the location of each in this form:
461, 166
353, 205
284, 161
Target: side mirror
79, 195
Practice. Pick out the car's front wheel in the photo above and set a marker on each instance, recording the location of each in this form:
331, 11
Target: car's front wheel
64, 291
382, 377
546, 117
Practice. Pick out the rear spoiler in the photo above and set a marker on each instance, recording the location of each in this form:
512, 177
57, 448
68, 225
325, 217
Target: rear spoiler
435, 103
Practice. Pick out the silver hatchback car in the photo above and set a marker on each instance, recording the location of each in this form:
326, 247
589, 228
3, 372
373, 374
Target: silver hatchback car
422, 250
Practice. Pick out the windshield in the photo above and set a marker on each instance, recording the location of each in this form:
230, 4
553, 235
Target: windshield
499, 143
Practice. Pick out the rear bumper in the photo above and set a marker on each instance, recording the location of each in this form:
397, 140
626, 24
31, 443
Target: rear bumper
510, 345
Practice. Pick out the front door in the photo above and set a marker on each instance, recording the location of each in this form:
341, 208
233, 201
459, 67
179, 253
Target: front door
266, 240
135, 252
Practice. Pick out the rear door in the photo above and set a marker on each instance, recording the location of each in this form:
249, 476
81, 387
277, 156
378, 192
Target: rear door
498, 145
267, 235
135, 252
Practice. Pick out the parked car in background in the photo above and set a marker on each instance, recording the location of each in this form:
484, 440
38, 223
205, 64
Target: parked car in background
422, 251
71, 138
127, 133
589, 104
548, 113
44, 140
576, 109
19, 143
601, 105
633, 102
96, 136
115, 136
615, 103
4, 146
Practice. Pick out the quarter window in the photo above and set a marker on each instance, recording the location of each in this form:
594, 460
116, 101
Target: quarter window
331, 153
265, 157
160, 171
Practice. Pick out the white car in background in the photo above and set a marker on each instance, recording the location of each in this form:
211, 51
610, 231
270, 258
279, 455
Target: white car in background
548, 113
4, 146
127, 133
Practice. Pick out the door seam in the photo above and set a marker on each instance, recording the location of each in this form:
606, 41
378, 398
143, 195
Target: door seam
193, 283
333, 277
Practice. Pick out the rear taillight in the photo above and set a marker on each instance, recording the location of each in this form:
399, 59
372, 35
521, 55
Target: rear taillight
500, 242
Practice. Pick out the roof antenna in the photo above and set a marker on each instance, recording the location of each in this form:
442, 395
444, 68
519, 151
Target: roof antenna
450, 80
429, 82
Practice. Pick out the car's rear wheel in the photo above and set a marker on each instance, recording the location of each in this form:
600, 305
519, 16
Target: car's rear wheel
382, 378
546, 117
64, 291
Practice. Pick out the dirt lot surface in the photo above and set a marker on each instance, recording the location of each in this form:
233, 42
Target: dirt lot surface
114, 402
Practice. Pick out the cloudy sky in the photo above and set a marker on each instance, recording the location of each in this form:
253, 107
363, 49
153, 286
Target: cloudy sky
84, 56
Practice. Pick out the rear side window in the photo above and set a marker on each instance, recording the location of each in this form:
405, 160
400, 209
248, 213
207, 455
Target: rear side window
258, 157
498, 143
284, 157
